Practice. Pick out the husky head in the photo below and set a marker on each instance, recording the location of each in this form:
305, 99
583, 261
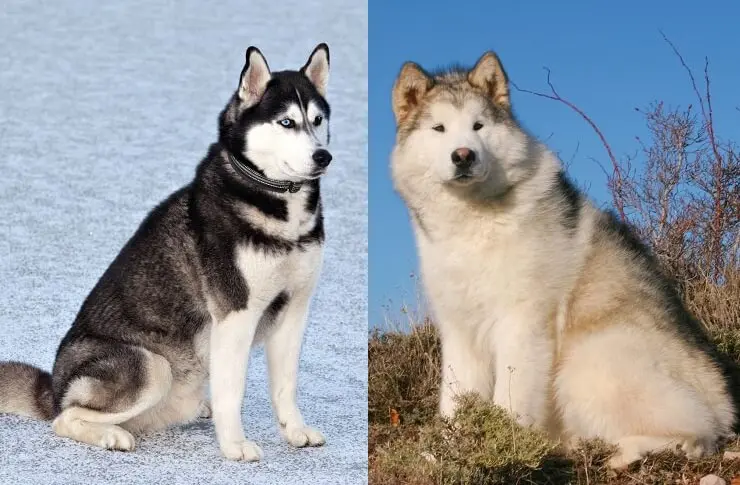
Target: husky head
456, 129
278, 122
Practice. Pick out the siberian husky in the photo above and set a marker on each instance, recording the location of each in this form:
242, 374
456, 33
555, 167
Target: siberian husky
227, 262
545, 304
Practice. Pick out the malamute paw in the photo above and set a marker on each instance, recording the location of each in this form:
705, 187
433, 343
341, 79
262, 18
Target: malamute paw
304, 436
696, 448
242, 451
205, 410
525, 421
116, 438
621, 461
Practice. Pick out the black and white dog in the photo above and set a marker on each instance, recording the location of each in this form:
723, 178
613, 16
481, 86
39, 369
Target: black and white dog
224, 263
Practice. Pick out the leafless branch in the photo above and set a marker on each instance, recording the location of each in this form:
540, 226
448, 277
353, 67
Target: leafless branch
555, 96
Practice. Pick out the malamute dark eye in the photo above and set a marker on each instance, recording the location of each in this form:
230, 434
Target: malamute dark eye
287, 123
317, 121
439, 128
477, 126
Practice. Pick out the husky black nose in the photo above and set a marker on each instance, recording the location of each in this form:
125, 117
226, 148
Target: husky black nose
463, 157
322, 157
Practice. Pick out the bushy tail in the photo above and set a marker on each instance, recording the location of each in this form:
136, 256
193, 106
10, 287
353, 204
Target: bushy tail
25, 390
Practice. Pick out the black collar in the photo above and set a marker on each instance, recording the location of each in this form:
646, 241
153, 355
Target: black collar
267, 183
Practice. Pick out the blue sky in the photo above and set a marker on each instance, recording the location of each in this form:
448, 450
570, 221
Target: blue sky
607, 57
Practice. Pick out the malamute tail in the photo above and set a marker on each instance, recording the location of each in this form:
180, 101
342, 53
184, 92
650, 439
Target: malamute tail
25, 390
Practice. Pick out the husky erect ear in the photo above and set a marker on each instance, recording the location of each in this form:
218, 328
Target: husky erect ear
412, 83
317, 68
489, 75
255, 76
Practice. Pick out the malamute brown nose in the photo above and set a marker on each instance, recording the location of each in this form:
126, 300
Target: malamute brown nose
463, 157
321, 157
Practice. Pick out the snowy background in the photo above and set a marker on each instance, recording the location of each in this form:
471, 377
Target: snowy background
106, 108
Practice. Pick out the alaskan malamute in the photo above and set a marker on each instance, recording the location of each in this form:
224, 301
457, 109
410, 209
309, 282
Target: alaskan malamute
545, 304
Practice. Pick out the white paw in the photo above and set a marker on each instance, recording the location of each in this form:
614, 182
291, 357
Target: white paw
695, 448
428, 457
618, 462
525, 421
572, 443
204, 411
622, 460
303, 436
242, 451
447, 407
116, 438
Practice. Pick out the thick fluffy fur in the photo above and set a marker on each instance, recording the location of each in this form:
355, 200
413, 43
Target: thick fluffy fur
221, 265
545, 304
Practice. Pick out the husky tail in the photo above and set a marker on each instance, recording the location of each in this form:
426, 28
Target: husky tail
25, 390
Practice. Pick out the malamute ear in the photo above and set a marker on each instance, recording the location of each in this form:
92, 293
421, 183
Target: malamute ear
489, 75
412, 83
317, 68
254, 78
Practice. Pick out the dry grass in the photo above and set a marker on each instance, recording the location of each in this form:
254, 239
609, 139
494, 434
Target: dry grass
718, 307
403, 370
482, 445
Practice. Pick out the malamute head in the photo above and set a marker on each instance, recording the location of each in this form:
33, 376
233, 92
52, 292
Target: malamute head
456, 130
278, 122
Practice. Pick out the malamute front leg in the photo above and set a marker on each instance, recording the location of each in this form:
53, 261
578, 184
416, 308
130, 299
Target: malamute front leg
283, 348
524, 353
231, 341
463, 370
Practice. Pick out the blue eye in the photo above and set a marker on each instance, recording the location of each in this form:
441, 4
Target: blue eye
287, 123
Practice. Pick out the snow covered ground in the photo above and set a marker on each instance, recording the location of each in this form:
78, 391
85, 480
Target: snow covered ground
105, 108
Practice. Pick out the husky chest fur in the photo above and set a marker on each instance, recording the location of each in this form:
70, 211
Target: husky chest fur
229, 261
546, 305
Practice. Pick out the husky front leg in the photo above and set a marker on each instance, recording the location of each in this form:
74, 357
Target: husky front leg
463, 370
524, 356
231, 341
283, 348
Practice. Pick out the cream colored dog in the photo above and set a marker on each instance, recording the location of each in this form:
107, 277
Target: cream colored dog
545, 304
